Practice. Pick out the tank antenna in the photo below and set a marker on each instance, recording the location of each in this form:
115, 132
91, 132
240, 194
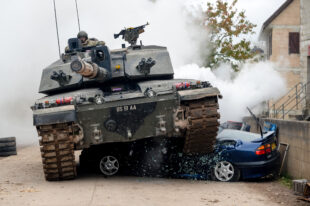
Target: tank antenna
57, 28
77, 13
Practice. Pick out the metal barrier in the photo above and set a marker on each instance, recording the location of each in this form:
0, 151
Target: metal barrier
295, 99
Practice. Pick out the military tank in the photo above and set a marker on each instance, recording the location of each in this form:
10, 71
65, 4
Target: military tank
96, 96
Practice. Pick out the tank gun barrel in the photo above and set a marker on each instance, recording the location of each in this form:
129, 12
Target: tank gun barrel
89, 70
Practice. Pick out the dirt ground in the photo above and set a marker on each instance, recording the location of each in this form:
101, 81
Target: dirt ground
22, 183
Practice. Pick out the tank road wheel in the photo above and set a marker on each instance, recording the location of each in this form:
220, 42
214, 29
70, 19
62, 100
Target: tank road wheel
57, 151
202, 116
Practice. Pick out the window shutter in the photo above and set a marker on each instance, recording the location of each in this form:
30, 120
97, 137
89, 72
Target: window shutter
294, 42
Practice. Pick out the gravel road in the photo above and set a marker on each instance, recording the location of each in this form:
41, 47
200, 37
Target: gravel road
22, 183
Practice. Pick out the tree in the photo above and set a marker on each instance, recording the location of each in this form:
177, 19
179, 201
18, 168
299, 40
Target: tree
228, 28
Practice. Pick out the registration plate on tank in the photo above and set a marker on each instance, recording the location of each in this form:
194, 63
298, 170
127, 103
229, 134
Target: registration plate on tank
126, 108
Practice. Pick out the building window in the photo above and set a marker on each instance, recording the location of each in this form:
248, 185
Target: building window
294, 43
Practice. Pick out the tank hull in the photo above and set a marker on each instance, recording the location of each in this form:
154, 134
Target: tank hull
190, 114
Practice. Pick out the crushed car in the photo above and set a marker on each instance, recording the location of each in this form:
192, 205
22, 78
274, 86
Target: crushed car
245, 154
239, 154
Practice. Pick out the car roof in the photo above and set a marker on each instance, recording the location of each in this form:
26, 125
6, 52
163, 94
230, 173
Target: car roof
230, 134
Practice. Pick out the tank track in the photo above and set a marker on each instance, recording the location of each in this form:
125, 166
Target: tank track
57, 151
202, 116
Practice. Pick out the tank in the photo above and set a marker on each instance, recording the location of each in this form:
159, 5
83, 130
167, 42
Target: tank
98, 100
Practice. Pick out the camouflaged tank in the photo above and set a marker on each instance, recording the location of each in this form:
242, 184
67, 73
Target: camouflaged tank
95, 96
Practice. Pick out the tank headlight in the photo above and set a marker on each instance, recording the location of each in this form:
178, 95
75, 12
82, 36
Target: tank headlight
150, 93
99, 100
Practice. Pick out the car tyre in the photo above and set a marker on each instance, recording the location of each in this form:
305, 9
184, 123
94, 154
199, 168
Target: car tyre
7, 139
225, 171
6, 154
8, 149
7, 144
109, 165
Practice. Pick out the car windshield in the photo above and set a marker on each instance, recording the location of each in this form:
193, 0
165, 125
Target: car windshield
229, 134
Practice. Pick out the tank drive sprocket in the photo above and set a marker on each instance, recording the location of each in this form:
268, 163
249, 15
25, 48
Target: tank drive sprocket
57, 151
202, 116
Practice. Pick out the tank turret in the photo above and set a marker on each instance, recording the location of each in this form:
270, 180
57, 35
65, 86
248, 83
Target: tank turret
97, 65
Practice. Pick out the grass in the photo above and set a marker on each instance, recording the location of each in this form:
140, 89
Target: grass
286, 180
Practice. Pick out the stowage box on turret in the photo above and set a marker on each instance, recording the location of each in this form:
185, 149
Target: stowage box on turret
95, 96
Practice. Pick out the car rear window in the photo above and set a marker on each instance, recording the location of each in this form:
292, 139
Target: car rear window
229, 134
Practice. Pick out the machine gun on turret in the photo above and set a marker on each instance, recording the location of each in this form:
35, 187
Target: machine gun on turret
131, 34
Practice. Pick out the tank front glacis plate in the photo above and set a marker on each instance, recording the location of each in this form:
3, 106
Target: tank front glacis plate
128, 119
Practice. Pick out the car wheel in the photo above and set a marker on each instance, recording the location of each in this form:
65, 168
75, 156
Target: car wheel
109, 165
226, 172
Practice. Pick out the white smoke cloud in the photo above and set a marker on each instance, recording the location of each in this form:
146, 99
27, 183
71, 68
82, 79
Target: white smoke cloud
256, 83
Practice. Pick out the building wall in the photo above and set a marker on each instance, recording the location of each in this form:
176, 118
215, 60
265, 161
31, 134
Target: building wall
297, 135
289, 64
290, 16
287, 21
304, 45
280, 48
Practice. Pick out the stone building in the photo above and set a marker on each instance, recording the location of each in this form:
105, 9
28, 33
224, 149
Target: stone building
287, 43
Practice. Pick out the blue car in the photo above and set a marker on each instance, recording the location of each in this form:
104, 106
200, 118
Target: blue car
246, 155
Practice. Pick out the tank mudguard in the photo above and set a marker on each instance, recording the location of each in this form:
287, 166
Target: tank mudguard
55, 115
186, 95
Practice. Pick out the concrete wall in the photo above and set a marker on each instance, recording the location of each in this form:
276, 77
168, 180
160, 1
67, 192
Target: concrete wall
297, 135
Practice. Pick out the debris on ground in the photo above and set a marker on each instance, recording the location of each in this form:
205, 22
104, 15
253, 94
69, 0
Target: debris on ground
299, 186
302, 188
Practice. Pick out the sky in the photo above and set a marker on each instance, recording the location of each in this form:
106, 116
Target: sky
29, 43
258, 11
23, 20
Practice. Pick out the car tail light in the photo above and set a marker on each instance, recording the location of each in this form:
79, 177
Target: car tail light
265, 149
261, 150
273, 146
